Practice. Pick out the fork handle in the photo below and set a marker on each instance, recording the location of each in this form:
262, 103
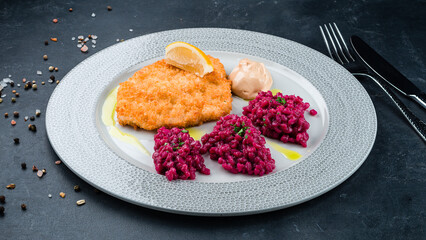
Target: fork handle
415, 122
420, 98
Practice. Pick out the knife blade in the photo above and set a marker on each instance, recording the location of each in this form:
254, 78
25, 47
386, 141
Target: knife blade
386, 71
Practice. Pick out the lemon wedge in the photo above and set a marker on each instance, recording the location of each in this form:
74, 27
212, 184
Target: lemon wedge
189, 58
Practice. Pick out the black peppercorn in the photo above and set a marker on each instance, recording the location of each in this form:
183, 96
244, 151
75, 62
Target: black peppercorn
2, 199
52, 77
23, 165
32, 127
23, 207
16, 140
16, 114
46, 42
77, 188
109, 8
1, 210
32, 118
12, 84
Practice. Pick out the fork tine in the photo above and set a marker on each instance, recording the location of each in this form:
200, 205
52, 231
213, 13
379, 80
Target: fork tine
332, 43
326, 43
343, 41
338, 43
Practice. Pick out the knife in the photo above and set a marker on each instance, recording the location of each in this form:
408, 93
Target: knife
386, 71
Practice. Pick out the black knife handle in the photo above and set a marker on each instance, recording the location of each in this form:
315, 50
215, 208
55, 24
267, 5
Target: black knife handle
415, 122
420, 98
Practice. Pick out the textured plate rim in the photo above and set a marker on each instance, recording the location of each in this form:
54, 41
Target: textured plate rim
58, 145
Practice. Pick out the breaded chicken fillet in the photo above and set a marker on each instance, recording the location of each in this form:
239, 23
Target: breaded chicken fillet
163, 95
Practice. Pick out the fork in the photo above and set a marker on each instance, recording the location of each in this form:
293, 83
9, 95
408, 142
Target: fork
340, 53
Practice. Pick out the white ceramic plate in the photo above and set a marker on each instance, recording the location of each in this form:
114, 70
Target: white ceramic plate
341, 135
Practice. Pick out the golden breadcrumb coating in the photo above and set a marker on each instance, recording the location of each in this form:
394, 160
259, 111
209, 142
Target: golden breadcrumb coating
162, 95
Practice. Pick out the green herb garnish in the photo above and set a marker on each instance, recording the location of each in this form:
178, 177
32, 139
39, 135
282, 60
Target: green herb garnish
280, 100
240, 130
184, 131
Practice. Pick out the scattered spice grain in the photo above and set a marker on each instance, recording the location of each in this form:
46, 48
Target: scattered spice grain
16, 94
32, 128
62, 194
16, 114
35, 169
77, 188
2, 199
52, 77
6, 115
54, 39
1, 100
55, 20
11, 186
81, 202
16, 140
46, 42
42, 83
23, 165
56, 69
51, 68
58, 162
32, 118
109, 8
38, 112
34, 86
70, 9
1, 210
45, 57
13, 122
44, 170
84, 49
13, 100
23, 207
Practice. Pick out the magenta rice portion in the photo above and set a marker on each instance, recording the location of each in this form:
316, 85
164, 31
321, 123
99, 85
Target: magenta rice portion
238, 146
177, 155
279, 116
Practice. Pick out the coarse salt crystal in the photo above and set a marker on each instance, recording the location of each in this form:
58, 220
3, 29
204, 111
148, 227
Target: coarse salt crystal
94, 37
93, 15
39, 72
130, 30
79, 45
73, 38
94, 41
93, 46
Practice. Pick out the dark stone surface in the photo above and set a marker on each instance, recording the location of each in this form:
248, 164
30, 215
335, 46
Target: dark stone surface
384, 199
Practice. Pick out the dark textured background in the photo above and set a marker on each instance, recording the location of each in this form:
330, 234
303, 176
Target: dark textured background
384, 199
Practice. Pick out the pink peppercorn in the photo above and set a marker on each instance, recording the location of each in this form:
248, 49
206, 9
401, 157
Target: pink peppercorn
313, 112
